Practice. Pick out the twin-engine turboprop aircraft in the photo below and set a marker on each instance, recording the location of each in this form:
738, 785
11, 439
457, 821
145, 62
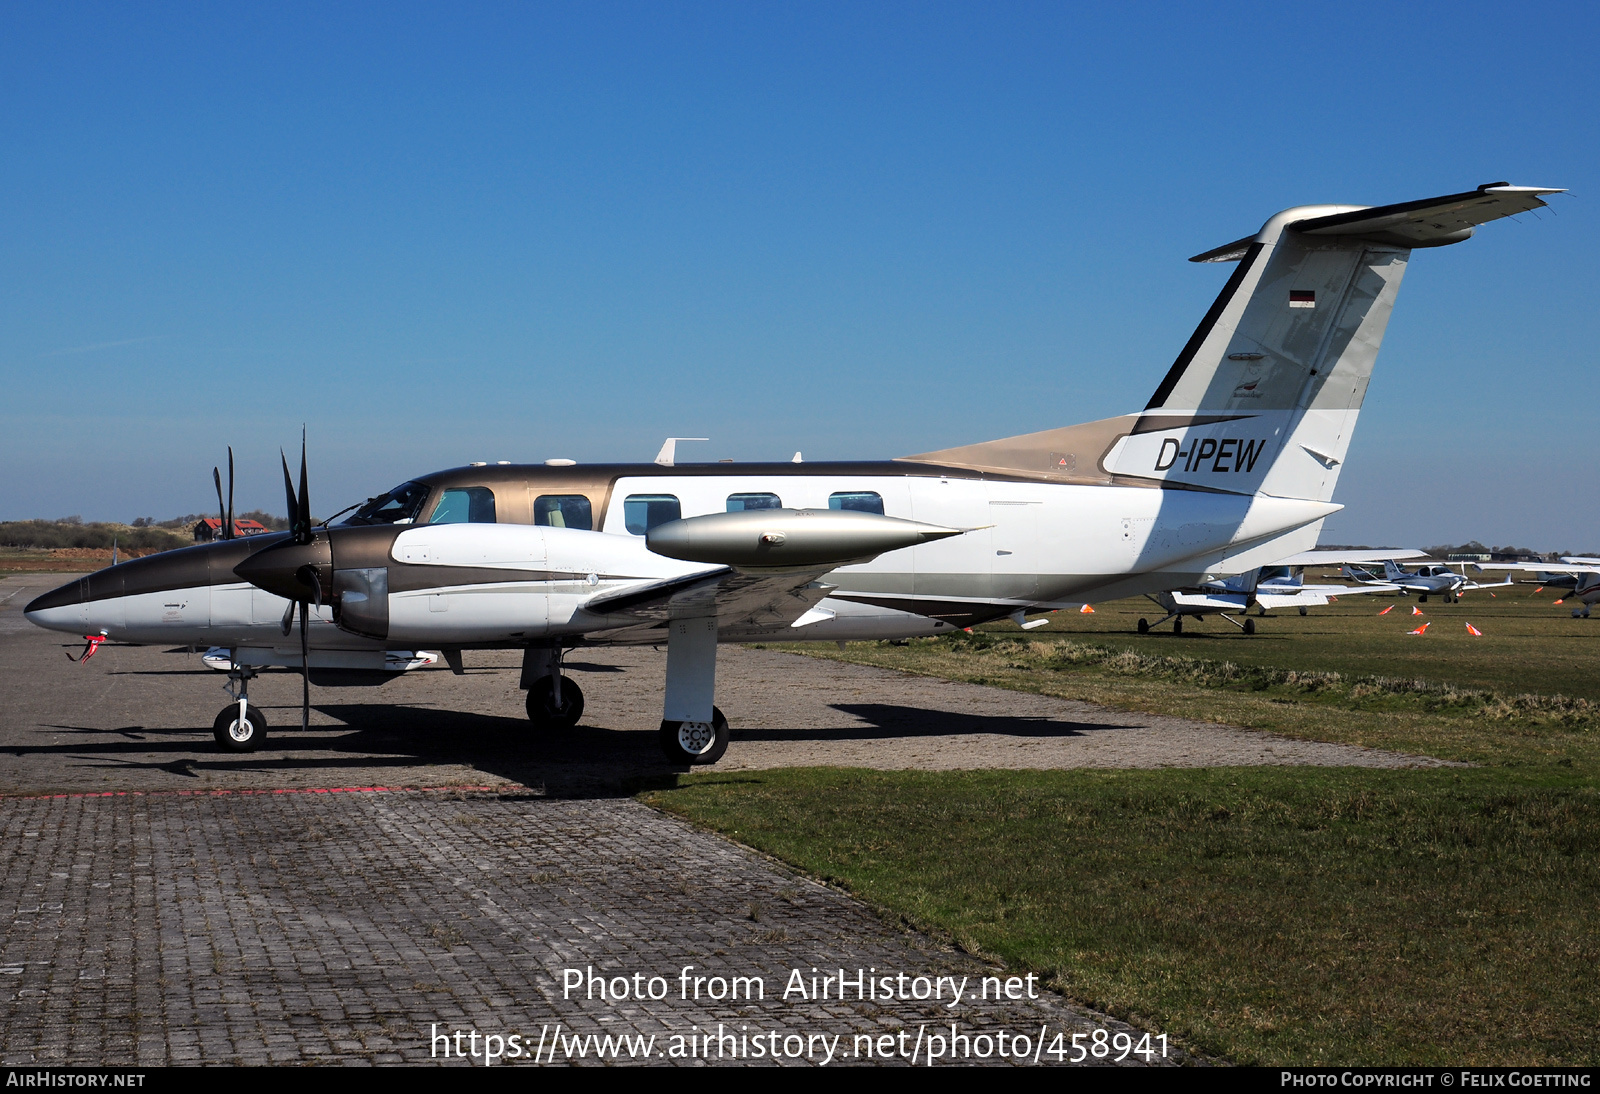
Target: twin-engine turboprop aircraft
1230, 466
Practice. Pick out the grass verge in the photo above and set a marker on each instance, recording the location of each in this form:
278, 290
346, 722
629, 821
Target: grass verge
1268, 915
1446, 720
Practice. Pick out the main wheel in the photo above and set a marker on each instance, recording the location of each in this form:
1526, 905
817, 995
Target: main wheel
236, 736
1303, 610
1249, 626
695, 742
542, 709
1177, 625
1144, 626
1423, 599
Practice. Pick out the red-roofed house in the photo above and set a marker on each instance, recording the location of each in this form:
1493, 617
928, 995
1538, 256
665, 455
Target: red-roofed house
211, 528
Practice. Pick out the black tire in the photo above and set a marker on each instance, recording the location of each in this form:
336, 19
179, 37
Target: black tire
689, 743
233, 739
1249, 626
1177, 625
1303, 610
1423, 599
1144, 626
542, 709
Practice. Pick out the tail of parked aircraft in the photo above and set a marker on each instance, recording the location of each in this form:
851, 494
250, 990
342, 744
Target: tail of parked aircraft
1264, 396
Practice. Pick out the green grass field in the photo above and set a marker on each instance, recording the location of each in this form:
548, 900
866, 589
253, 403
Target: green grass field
1266, 915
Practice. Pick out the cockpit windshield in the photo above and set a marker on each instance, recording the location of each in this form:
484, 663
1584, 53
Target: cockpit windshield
398, 506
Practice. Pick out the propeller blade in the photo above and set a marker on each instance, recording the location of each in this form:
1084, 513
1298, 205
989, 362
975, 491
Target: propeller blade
216, 478
303, 515
230, 491
305, 669
288, 619
288, 492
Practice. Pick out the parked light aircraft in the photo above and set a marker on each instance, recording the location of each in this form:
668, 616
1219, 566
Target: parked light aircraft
1424, 581
1230, 466
1581, 575
1281, 585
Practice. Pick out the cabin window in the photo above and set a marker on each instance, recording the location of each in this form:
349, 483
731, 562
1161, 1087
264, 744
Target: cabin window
465, 505
857, 501
563, 511
642, 512
398, 506
738, 503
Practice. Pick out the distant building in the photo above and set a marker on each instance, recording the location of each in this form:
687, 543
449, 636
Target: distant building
1517, 556
211, 528
1467, 556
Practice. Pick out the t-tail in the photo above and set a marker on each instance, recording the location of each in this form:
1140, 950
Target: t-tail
1264, 397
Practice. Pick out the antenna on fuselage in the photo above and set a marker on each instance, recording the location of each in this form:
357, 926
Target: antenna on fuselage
669, 449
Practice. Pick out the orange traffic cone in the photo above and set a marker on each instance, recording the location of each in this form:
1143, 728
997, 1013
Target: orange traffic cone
1087, 609
1415, 610
1387, 610
1474, 631
1421, 630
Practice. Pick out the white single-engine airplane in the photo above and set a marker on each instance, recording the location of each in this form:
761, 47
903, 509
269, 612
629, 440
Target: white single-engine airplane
1230, 466
1281, 585
1425, 581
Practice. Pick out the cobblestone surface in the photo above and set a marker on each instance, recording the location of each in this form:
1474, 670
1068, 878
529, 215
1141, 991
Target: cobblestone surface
305, 927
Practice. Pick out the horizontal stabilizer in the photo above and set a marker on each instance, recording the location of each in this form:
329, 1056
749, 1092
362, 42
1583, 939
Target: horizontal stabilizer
1430, 222
1426, 222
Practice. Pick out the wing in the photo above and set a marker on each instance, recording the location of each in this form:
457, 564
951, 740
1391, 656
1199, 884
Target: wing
1572, 568
746, 605
1346, 558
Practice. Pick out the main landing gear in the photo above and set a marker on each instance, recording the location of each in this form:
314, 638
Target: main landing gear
554, 701
1248, 626
239, 727
693, 731
695, 742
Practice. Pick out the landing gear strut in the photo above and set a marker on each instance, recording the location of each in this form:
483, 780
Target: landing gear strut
692, 730
239, 727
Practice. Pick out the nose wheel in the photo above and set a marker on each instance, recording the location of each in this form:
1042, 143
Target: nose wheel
695, 743
546, 711
236, 734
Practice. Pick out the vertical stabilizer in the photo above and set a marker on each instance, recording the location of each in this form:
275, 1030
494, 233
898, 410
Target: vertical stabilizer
1265, 395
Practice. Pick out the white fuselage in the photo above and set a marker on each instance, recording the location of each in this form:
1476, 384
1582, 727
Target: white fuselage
1029, 545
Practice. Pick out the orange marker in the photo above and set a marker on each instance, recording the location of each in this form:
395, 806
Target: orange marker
1474, 631
1421, 630
1415, 610
1559, 601
1387, 610
1087, 609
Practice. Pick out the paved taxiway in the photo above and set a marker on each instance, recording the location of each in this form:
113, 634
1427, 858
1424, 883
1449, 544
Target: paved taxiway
166, 906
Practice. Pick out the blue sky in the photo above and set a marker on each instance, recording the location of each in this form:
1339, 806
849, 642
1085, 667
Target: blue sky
436, 234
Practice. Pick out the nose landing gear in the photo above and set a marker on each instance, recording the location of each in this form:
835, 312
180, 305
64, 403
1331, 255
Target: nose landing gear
239, 727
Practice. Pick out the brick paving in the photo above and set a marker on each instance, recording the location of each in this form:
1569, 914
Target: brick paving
304, 927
